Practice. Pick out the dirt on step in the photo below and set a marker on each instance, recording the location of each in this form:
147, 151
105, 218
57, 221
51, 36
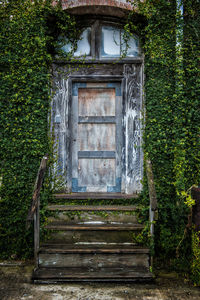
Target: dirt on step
13, 286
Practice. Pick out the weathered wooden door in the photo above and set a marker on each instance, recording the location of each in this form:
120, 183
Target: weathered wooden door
96, 137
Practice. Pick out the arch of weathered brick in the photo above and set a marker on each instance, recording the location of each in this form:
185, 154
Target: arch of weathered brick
117, 8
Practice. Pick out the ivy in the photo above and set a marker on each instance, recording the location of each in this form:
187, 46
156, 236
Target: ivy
29, 32
172, 123
195, 267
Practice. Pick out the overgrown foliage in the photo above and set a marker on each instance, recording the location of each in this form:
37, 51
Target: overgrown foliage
28, 39
28, 31
172, 116
195, 267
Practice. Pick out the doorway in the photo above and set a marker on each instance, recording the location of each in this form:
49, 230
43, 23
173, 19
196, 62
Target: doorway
96, 122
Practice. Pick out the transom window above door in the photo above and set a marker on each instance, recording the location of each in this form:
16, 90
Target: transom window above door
104, 41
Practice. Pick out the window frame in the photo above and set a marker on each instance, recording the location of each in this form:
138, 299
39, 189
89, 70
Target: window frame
96, 39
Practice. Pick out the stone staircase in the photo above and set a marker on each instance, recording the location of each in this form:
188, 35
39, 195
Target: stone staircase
95, 242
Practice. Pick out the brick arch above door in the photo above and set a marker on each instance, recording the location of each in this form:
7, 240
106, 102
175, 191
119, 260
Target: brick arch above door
117, 8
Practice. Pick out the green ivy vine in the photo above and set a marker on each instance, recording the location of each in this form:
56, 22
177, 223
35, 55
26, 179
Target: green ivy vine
170, 38
29, 41
28, 35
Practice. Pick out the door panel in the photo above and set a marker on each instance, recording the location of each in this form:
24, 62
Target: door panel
96, 137
96, 102
96, 140
96, 172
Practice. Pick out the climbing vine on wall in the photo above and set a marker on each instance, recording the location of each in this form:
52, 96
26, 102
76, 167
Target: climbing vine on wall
171, 139
28, 34
191, 59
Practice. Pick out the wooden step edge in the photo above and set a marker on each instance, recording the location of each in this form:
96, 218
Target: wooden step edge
59, 245
94, 227
95, 196
94, 251
90, 208
87, 274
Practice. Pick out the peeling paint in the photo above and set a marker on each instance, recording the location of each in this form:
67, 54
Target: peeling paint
131, 148
60, 127
132, 123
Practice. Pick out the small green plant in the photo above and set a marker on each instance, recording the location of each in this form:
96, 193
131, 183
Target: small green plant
195, 267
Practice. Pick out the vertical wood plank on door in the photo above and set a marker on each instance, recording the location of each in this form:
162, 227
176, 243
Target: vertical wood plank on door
119, 136
74, 136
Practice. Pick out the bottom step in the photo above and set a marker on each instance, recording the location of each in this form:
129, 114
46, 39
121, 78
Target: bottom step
50, 275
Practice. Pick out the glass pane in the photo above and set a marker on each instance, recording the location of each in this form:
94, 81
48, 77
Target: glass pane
110, 45
132, 47
83, 45
67, 48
